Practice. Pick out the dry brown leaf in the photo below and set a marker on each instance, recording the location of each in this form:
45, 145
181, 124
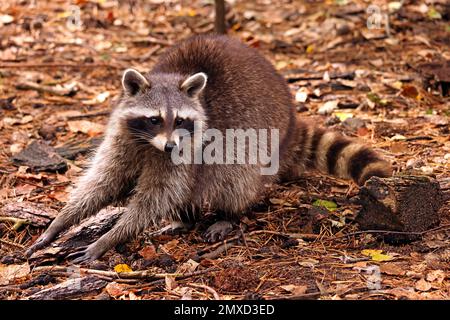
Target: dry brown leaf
295, 290
170, 283
437, 276
188, 266
423, 285
392, 269
88, 127
115, 289
148, 252
8, 273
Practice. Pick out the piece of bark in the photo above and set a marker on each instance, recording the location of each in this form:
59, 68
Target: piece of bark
39, 156
35, 214
71, 289
72, 149
402, 203
80, 235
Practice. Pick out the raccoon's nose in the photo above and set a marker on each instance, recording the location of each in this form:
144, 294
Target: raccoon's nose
169, 146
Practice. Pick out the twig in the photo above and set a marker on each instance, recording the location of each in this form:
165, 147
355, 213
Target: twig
304, 236
144, 274
58, 91
88, 115
217, 252
17, 222
419, 138
12, 244
11, 289
57, 65
161, 281
211, 290
443, 227
305, 296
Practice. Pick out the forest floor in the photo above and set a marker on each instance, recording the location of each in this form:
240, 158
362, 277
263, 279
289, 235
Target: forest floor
387, 85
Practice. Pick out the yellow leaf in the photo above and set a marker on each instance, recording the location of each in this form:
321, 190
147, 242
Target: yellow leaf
343, 115
376, 255
310, 48
281, 64
122, 268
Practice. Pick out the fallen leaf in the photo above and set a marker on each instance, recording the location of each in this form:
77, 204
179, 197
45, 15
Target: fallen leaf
295, 290
115, 289
122, 268
437, 276
26, 119
328, 107
169, 246
148, 252
280, 202
6, 19
392, 269
329, 205
423, 285
87, 127
376, 255
399, 147
434, 14
188, 266
343, 115
170, 283
410, 92
301, 95
8, 273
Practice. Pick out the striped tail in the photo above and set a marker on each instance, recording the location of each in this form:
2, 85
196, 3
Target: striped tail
337, 155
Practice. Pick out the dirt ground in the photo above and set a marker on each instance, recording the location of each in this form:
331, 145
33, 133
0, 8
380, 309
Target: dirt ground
60, 70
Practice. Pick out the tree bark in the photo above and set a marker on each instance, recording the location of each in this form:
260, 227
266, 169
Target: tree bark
402, 203
219, 22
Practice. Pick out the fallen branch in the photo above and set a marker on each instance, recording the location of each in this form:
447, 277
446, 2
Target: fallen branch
13, 244
55, 90
27, 213
211, 290
70, 289
304, 236
57, 65
81, 235
143, 274
17, 222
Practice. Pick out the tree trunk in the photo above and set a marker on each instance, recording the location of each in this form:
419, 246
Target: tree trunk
402, 203
219, 23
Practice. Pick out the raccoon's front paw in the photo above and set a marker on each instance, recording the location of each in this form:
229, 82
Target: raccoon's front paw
218, 231
86, 254
43, 241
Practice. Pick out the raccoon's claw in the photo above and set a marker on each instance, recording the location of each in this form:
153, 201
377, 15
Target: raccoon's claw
218, 231
179, 227
83, 255
43, 241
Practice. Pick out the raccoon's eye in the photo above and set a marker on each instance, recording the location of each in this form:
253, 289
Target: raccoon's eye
155, 120
178, 121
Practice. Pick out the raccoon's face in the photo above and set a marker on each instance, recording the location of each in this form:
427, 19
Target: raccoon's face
162, 109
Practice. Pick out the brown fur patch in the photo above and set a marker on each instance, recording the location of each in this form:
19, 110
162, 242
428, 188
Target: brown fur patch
360, 160
317, 135
334, 151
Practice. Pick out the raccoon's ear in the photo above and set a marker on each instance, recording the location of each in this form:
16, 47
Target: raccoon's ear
194, 84
133, 82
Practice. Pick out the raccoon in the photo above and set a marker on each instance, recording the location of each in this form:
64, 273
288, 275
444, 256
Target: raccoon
220, 83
